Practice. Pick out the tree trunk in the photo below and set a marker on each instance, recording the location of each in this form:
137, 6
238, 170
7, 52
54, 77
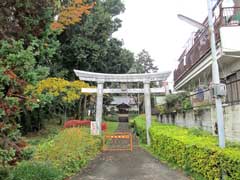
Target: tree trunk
85, 106
79, 108
26, 121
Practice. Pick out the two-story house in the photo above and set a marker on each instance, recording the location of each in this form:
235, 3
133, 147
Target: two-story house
194, 68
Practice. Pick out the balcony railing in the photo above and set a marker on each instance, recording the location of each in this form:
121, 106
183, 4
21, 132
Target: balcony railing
191, 57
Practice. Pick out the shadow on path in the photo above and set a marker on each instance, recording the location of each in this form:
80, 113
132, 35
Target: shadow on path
136, 165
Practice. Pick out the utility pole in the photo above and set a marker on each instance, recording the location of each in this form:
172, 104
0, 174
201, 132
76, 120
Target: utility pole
217, 87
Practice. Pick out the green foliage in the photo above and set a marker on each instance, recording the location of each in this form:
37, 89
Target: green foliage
6, 155
161, 109
131, 123
11, 144
89, 45
27, 153
70, 150
175, 103
43, 135
186, 104
198, 132
143, 64
27, 47
139, 124
113, 118
193, 150
35, 171
4, 173
30, 50
111, 127
230, 163
25, 18
17, 68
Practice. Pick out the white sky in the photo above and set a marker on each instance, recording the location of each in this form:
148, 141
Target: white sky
153, 25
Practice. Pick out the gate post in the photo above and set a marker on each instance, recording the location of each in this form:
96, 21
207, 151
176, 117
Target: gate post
99, 106
147, 102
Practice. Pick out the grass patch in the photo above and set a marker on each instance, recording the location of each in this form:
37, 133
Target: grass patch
111, 126
70, 150
55, 148
51, 129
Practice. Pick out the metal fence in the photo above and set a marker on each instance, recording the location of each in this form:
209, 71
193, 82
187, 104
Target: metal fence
203, 97
233, 92
231, 16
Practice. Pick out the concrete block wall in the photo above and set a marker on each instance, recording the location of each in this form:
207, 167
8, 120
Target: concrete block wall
206, 120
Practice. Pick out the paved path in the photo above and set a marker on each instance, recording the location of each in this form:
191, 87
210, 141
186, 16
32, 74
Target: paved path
136, 165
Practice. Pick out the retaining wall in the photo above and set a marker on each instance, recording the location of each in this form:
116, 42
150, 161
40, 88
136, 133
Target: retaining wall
206, 119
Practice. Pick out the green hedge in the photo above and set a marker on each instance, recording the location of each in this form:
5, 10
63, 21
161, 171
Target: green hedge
193, 150
139, 125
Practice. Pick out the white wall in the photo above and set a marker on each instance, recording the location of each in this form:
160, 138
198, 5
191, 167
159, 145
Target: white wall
206, 120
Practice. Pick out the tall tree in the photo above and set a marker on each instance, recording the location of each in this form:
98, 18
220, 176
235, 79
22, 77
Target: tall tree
71, 14
89, 45
22, 19
144, 63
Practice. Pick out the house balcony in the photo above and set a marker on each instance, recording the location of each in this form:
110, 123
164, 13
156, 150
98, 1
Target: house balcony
197, 55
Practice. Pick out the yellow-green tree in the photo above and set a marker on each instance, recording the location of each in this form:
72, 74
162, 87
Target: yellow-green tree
66, 96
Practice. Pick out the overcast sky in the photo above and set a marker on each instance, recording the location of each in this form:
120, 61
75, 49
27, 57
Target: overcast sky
153, 25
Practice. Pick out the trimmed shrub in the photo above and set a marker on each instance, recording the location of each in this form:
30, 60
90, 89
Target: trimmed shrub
70, 150
35, 171
193, 150
139, 124
230, 163
195, 154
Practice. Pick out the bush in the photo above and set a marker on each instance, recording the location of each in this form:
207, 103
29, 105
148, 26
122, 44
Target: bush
35, 171
70, 150
111, 118
4, 173
199, 155
131, 123
27, 153
139, 124
111, 127
193, 150
11, 144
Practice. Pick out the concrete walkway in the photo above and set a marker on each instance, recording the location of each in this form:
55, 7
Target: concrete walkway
136, 165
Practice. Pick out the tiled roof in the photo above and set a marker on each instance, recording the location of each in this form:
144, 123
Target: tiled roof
123, 99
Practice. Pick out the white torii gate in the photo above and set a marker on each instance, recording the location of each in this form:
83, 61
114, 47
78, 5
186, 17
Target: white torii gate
100, 78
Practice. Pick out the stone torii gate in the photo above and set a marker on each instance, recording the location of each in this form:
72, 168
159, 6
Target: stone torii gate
101, 78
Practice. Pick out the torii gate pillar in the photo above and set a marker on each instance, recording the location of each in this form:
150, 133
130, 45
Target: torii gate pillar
99, 108
147, 101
